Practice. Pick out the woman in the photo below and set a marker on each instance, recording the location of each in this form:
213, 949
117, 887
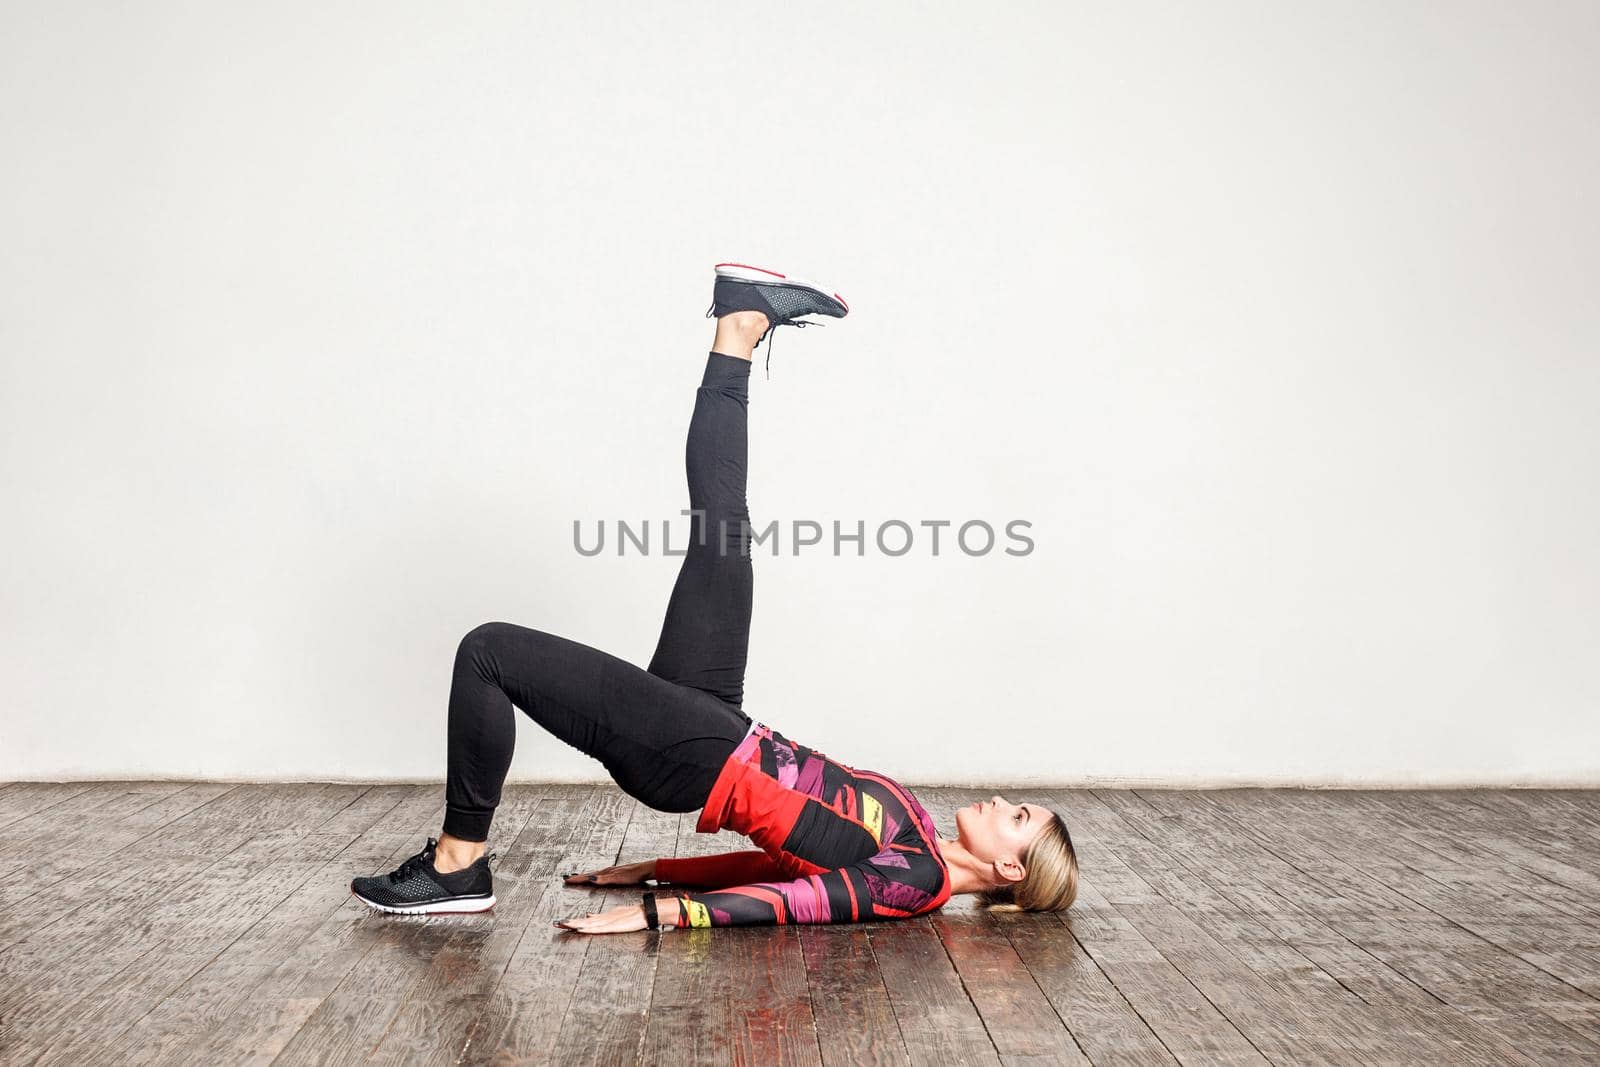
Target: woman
837, 844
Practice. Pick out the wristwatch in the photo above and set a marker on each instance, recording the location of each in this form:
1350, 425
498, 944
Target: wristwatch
651, 919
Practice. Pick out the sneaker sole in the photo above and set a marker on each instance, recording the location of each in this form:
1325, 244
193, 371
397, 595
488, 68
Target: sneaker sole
746, 273
459, 906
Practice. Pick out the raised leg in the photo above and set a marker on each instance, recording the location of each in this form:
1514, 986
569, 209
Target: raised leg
663, 734
705, 637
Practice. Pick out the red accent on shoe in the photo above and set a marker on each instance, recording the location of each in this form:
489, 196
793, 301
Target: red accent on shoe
775, 274
747, 266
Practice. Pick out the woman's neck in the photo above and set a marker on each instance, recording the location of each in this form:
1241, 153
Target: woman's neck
968, 874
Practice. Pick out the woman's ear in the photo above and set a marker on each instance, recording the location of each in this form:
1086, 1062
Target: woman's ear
1010, 869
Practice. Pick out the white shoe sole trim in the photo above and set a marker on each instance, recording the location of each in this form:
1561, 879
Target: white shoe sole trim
772, 277
442, 907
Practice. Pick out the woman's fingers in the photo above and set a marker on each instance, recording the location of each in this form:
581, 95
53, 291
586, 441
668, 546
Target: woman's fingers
617, 920
618, 875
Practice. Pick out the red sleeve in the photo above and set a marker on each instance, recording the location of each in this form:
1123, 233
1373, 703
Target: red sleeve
717, 872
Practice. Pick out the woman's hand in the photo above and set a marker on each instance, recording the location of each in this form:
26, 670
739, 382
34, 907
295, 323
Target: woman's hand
622, 874
616, 921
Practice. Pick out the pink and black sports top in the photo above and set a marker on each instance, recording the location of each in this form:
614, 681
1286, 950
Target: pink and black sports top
838, 844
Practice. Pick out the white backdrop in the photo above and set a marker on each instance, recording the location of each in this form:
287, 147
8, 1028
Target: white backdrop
320, 326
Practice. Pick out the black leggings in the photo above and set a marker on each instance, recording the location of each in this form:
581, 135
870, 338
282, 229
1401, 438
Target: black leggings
663, 734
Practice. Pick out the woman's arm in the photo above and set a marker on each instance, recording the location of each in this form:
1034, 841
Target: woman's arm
859, 892
727, 869
706, 872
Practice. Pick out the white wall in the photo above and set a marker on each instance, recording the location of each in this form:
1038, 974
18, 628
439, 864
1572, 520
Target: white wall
320, 326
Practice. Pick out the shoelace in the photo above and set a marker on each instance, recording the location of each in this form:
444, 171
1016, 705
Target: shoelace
797, 323
414, 864
772, 328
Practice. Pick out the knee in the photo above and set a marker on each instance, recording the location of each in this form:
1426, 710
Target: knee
482, 638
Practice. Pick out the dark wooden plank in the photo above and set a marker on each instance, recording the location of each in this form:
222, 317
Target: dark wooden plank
1313, 1007
605, 1019
318, 940
1170, 1001
1484, 856
938, 1021
443, 1007
729, 994
173, 923
1293, 905
1506, 905
1212, 854
1021, 1022
191, 1013
1176, 858
23, 799
585, 821
850, 1005
1560, 827
75, 819
1174, 1009
1102, 1021
1196, 931
167, 935
70, 956
1544, 911
72, 872
186, 929
1430, 939
1320, 834
1283, 901
365, 989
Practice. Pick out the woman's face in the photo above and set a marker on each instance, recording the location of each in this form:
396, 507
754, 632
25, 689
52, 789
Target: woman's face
999, 832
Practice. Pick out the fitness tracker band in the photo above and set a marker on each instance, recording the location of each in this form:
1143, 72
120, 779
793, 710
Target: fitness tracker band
651, 919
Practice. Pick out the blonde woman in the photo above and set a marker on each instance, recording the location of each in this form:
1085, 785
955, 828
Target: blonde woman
836, 843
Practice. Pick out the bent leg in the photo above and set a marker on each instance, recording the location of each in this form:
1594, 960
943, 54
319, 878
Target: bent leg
663, 744
705, 637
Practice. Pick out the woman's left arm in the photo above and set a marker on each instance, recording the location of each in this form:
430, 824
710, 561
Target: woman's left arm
900, 885
622, 919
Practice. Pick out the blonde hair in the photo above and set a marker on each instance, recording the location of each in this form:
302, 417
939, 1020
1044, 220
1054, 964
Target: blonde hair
1051, 883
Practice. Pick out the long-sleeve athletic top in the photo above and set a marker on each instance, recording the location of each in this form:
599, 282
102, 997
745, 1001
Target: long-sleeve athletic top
838, 844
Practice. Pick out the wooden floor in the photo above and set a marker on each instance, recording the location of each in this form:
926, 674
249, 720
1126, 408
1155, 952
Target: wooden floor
208, 923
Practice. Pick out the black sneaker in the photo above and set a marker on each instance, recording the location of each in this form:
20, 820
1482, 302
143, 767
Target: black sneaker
780, 297
416, 888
